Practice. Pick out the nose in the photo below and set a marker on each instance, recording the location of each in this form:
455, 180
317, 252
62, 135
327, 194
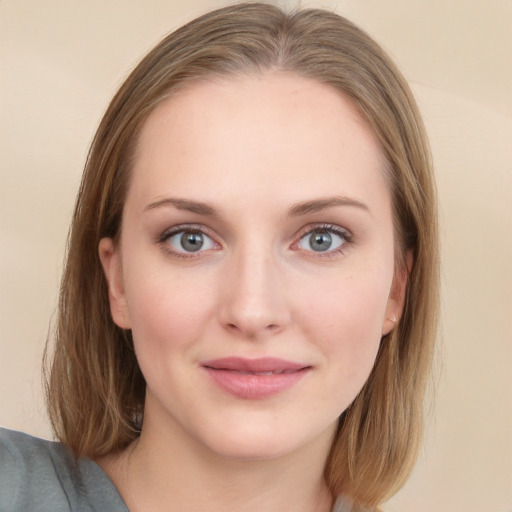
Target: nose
254, 303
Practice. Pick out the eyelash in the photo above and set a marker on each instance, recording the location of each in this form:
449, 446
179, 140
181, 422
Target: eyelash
343, 233
176, 230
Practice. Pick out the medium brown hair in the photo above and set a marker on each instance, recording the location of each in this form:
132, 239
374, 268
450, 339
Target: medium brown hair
95, 388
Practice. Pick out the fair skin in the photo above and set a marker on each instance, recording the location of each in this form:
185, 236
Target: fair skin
257, 225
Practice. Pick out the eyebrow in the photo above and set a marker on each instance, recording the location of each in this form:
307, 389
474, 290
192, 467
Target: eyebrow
318, 205
183, 204
296, 210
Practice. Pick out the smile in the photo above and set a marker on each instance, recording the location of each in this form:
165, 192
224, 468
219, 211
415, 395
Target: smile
254, 379
274, 372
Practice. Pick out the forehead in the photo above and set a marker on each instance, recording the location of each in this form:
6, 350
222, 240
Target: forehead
267, 132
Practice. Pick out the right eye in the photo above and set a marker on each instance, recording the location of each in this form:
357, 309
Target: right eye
188, 241
322, 240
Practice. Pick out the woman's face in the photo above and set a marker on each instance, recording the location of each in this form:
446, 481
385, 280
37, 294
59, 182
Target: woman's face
255, 266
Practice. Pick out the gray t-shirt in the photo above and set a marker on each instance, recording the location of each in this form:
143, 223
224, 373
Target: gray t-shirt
43, 476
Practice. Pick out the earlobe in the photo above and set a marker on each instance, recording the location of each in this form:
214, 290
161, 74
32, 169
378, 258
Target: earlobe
111, 262
396, 301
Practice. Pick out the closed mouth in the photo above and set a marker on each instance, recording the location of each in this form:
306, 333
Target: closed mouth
259, 366
253, 379
243, 372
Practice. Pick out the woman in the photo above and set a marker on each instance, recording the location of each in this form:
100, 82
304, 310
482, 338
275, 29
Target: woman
249, 302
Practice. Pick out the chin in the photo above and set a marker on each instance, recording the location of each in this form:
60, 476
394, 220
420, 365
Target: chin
247, 450
265, 443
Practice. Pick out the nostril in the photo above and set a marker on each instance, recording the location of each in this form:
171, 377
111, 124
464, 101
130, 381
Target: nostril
235, 327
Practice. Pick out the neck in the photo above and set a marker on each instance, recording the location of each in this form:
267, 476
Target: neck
165, 472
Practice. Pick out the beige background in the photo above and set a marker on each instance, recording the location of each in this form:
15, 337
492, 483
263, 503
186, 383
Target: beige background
60, 62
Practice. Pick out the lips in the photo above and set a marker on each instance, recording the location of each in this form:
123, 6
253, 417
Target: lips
255, 378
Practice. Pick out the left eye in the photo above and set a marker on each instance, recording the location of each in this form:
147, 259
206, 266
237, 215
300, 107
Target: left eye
321, 240
190, 241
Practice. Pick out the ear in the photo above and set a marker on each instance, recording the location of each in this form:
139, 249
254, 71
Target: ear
396, 300
111, 261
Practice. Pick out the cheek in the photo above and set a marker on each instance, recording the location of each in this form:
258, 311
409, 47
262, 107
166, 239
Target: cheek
167, 310
345, 320
350, 305
168, 315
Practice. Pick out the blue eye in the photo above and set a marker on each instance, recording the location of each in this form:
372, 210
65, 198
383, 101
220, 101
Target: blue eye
190, 241
322, 240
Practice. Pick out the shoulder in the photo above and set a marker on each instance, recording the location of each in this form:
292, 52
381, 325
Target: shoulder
30, 472
43, 475
345, 504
